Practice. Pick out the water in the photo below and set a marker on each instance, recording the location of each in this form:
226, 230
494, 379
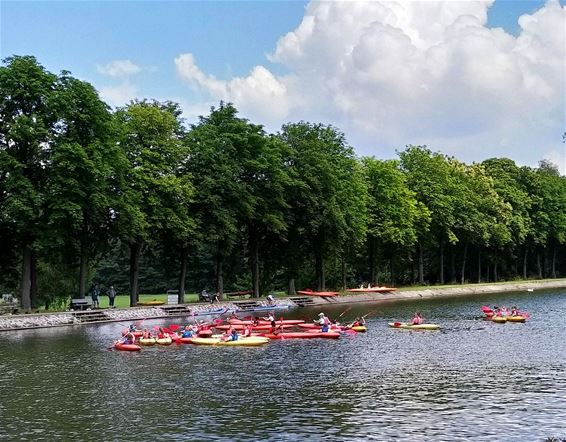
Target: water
472, 380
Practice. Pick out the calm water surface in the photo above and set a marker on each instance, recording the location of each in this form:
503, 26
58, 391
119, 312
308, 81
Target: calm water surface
471, 380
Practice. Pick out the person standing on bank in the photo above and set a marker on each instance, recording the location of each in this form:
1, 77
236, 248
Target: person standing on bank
111, 296
95, 294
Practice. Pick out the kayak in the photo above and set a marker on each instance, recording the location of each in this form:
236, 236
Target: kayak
126, 347
303, 335
321, 294
360, 328
147, 341
318, 327
187, 340
499, 319
254, 327
164, 341
407, 326
252, 341
204, 334
372, 290
517, 318
264, 322
242, 342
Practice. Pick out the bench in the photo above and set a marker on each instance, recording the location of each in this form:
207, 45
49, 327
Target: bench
80, 304
240, 295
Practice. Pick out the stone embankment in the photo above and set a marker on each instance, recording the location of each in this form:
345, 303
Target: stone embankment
31, 321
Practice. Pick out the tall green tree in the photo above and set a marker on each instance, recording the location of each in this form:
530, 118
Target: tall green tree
330, 192
27, 128
79, 192
395, 215
155, 196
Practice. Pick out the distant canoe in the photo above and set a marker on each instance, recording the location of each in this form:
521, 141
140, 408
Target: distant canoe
372, 290
321, 294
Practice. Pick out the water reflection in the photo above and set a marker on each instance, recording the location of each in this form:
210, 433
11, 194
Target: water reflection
471, 380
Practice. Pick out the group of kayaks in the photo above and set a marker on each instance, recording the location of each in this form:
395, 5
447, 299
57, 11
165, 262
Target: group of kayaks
259, 332
501, 315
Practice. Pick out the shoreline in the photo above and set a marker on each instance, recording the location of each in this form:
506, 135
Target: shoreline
64, 319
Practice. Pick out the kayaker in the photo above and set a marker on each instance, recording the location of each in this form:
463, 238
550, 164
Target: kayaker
128, 338
161, 333
132, 327
270, 299
248, 331
417, 319
187, 332
323, 321
255, 321
271, 319
146, 334
514, 311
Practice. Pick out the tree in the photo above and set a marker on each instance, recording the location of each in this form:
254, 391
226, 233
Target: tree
329, 195
79, 192
395, 215
27, 127
154, 196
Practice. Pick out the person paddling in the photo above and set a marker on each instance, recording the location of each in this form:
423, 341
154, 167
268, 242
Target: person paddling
187, 332
248, 331
323, 321
417, 319
146, 334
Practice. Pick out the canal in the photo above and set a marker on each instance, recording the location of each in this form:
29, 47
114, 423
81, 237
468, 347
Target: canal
471, 380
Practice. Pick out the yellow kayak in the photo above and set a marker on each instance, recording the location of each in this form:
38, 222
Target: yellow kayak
164, 341
252, 341
150, 303
407, 326
516, 319
148, 341
499, 319
360, 328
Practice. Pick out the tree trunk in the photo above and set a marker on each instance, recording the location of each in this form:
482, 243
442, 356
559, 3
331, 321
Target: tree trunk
182, 275
463, 275
33, 281
441, 264
219, 275
344, 276
25, 288
135, 252
319, 269
525, 263
452, 266
391, 274
539, 266
83, 272
495, 275
487, 271
479, 265
371, 247
254, 260
554, 261
421, 265
291, 286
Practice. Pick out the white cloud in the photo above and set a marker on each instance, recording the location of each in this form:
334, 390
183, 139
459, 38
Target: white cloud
119, 68
119, 95
392, 73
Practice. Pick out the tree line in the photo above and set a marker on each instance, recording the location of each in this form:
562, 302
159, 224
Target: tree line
137, 195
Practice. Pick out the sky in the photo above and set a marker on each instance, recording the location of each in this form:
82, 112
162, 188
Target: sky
471, 79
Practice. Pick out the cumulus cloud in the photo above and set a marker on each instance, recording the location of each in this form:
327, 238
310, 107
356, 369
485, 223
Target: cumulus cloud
119, 68
393, 73
119, 95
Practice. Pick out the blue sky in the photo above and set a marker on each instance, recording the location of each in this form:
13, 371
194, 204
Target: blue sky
227, 39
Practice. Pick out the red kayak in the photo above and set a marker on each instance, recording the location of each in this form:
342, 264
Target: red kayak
318, 327
308, 292
254, 327
372, 290
204, 334
302, 335
126, 347
264, 322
